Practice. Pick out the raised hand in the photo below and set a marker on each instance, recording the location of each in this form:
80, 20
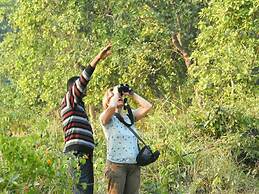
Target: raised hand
105, 52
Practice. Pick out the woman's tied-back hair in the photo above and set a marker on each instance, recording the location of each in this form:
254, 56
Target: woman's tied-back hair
107, 96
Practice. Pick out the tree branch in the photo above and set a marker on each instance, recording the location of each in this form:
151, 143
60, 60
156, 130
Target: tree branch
180, 49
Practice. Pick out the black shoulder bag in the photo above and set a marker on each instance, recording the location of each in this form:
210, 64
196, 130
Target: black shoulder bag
145, 155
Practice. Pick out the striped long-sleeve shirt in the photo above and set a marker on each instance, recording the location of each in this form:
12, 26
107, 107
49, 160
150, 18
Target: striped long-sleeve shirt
76, 126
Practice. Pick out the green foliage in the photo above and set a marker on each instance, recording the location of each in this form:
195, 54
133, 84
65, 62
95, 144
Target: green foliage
224, 78
5, 10
30, 163
50, 37
225, 87
192, 162
226, 52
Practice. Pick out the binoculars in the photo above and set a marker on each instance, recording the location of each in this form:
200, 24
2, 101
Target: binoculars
124, 88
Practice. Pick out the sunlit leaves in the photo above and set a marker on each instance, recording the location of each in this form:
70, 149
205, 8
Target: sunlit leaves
226, 51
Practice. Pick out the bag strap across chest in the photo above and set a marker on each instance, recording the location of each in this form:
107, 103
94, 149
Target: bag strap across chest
130, 115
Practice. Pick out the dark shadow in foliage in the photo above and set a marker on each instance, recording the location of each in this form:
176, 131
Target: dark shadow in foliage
219, 121
255, 73
247, 154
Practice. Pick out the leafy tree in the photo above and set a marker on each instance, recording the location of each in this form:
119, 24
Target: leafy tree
224, 76
50, 37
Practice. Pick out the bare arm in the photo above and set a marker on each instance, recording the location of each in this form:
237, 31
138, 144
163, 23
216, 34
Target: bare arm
144, 106
108, 113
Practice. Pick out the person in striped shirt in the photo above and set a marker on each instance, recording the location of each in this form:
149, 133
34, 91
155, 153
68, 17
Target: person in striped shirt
78, 131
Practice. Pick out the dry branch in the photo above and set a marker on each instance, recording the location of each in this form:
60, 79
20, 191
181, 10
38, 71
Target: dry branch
177, 44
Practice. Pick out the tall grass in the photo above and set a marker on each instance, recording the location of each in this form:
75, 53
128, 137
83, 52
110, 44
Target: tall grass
190, 162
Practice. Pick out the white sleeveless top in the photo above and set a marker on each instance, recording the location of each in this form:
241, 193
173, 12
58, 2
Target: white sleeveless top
121, 142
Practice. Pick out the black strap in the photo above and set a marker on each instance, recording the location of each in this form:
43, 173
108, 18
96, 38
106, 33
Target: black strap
130, 114
126, 124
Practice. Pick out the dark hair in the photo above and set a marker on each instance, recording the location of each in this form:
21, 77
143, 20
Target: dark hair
71, 81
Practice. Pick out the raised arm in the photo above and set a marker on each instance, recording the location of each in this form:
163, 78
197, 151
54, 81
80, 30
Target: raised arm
144, 106
79, 88
111, 108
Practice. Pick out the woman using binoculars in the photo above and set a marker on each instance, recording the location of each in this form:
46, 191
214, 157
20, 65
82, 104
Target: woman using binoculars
121, 170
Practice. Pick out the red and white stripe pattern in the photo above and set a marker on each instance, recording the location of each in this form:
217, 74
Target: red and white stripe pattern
77, 129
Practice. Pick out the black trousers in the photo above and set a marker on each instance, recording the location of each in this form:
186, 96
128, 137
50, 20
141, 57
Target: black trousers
81, 169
